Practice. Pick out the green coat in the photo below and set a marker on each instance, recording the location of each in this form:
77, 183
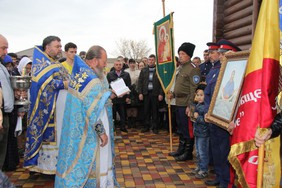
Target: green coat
186, 83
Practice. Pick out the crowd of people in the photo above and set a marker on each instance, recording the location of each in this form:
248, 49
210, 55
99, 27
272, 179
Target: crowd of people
52, 87
73, 96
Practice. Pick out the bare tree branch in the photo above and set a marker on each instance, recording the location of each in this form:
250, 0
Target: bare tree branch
132, 49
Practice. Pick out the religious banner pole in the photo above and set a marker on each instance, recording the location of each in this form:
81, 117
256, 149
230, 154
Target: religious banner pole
169, 122
163, 8
260, 166
168, 101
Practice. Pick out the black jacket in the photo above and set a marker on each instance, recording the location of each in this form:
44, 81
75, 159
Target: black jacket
276, 126
112, 76
201, 128
125, 66
143, 81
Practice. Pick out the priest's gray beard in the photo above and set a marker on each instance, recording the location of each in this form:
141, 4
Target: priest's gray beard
99, 72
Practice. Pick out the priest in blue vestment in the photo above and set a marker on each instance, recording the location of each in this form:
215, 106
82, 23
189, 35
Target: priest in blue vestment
86, 152
43, 133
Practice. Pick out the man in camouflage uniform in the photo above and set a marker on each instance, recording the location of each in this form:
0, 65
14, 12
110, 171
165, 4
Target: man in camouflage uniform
186, 83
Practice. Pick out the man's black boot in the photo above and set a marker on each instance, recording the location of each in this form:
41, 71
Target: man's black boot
188, 152
145, 129
133, 122
129, 122
123, 129
180, 150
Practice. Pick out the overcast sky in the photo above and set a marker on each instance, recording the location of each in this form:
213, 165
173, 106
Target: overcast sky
26, 23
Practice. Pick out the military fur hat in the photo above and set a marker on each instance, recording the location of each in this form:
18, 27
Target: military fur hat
188, 48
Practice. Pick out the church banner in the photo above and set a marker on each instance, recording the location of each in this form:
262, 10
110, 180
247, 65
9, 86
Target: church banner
165, 65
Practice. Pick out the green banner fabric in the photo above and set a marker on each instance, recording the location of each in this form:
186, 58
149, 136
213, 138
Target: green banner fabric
163, 30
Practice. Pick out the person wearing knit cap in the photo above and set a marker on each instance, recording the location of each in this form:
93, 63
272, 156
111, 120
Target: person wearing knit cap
219, 138
15, 59
186, 83
8, 63
7, 59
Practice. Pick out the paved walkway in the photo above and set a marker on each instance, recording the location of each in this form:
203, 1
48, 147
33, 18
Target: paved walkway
141, 161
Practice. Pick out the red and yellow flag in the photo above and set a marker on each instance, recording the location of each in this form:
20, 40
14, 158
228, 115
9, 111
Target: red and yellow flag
257, 103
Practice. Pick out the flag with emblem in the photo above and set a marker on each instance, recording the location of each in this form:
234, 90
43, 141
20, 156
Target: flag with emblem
257, 106
165, 66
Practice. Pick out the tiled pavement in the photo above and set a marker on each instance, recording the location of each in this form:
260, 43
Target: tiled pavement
141, 161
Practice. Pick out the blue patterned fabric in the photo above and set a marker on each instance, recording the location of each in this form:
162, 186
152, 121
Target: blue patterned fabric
77, 161
47, 80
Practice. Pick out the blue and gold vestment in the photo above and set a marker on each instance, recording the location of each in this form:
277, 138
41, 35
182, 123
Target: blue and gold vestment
47, 81
79, 160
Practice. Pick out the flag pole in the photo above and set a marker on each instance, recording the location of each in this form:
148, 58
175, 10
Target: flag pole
169, 122
166, 95
260, 166
163, 8
168, 105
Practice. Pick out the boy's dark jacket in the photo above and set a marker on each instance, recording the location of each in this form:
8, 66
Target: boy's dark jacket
201, 128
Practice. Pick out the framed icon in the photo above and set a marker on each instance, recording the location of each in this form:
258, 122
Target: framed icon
228, 88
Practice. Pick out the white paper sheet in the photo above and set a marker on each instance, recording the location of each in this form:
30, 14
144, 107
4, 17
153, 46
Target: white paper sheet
119, 87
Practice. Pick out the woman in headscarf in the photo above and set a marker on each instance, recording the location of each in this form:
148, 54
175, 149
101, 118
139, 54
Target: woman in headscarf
24, 67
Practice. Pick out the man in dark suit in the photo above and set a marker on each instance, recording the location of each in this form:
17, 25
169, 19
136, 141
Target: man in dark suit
119, 102
150, 90
206, 66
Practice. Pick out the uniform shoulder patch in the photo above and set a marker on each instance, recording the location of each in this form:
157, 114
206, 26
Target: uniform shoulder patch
196, 79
